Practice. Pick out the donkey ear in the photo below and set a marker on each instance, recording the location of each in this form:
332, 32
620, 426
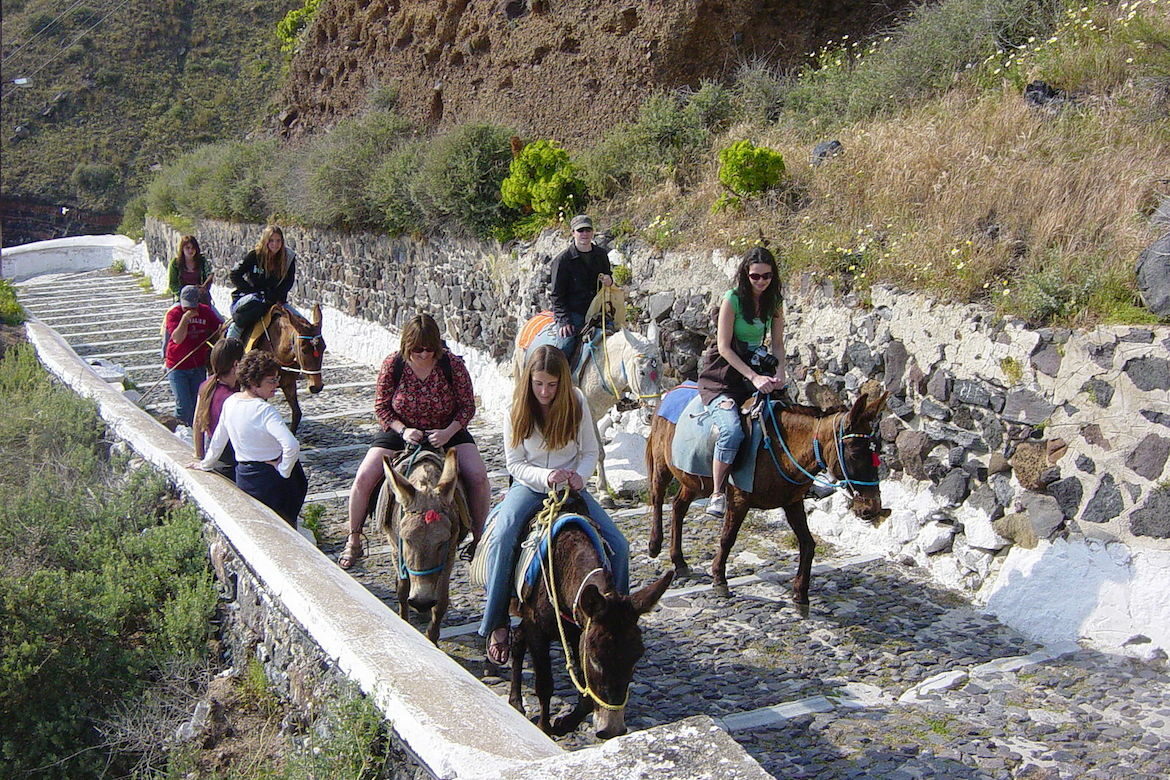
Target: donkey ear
591, 602
876, 405
857, 412
403, 490
316, 314
450, 476
644, 600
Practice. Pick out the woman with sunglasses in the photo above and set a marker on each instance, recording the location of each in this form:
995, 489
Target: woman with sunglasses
747, 314
423, 397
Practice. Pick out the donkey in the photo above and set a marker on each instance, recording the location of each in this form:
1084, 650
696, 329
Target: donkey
424, 516
597, 627
789, 456
299, 348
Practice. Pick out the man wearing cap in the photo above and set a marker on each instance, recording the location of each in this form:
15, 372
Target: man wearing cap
189, 324
576, 273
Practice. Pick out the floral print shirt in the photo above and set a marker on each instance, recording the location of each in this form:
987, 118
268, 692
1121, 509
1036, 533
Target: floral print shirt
427, 404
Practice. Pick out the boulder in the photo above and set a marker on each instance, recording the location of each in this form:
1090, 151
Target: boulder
1029, 460
1106, 502
935, 537
1043, 512
824, 150
953, 488
913, 447
1153, 276
1152, 518
1149, 457
1149, 373
1016, 528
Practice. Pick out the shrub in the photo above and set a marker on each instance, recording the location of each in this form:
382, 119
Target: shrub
133, 222
543, 182
338, 168
757, 95
99, 593
226, 181
295, 22
390, 189
747, 170
10, 311
97, 184
458, 184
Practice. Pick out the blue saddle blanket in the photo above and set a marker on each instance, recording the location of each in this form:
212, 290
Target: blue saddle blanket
693, 447
551, 335
676, 400
535, 548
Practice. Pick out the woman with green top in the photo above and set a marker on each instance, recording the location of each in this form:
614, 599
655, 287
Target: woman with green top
190, 267
738, 365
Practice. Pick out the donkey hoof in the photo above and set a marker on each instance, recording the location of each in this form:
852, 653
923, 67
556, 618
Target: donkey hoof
654, 547
721, 590
681, 569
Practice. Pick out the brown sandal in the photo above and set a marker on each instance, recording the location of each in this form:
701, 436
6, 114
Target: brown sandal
499, 652
354, 551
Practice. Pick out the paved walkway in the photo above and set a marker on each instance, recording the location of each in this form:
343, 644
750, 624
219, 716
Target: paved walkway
888, 676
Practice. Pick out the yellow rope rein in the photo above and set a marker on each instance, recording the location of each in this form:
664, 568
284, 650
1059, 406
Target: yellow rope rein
544, 521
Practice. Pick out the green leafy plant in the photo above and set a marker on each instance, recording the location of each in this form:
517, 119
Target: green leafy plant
311, 518
622, 275
295, 22
10, 311
1012, 370
458, 182
747, 170
543, 182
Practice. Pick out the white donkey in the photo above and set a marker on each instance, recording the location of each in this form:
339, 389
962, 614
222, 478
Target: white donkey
615, 363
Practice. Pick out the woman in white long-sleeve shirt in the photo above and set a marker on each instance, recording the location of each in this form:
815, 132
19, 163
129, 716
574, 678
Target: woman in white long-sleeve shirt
548, 441
268, 467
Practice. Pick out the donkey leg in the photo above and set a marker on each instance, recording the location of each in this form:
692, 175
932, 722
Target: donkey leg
541, 679
439, 610
573, 718
678, 510
519, 648
289, 386
798, 521
659, 478
732, 521
404, 599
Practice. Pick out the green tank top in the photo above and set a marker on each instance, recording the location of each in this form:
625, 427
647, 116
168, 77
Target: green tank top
751, 333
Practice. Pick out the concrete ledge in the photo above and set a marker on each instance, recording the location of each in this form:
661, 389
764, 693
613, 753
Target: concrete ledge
451, 723
67, 255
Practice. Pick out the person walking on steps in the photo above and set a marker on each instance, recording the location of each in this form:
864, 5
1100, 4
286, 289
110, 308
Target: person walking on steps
738, 364
188, 325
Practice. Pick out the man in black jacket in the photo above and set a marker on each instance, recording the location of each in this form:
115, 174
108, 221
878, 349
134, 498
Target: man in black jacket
576, 273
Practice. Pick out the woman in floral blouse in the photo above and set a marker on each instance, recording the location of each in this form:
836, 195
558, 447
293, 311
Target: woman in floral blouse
423, 394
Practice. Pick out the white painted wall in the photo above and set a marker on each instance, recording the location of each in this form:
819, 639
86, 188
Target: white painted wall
70, 255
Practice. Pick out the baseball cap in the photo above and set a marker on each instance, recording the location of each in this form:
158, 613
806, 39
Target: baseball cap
189, 296
581, 221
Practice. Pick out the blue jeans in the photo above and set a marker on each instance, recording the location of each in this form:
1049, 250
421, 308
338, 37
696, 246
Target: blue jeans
185, 385
730, 432
512, 517
568, 344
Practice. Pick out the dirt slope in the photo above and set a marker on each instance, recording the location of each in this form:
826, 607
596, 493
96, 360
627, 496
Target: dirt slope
565, 69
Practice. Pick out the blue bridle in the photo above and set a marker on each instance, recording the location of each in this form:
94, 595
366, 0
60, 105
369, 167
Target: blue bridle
839, 440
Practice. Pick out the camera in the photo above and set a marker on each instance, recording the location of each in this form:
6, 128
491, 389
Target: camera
763, 362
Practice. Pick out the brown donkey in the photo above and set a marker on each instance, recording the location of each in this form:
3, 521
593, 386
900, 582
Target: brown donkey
600, 629
424, 516
299, 348
848, 453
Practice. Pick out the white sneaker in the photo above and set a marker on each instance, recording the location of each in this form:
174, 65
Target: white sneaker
717, 506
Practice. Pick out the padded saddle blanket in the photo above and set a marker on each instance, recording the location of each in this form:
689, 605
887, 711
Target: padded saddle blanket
527, 563
693, 446
542, 329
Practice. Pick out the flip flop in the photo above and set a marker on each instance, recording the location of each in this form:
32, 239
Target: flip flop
468, 551
499, 652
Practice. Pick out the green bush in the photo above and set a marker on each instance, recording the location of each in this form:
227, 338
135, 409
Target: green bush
757, 94
458, 184
339, 165
747, 170
100, 589
295, 22
391, 187
224, 181
543, 182
10, 311
133, 222
97, 185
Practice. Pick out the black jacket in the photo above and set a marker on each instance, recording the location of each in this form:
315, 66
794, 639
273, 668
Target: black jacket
249, 277
574, 280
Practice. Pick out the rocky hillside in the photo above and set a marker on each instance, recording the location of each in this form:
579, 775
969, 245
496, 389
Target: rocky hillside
566, 69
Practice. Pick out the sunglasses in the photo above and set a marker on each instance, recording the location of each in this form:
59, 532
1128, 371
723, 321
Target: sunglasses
759, 277
419, 350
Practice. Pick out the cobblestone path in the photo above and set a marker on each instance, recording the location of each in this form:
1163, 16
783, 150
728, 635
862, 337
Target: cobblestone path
887, 677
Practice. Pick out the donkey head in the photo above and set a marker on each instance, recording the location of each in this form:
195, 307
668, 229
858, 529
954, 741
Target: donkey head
857, 456
611, 644
426, 527
309, 347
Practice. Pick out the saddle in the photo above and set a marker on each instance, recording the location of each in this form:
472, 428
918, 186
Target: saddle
693, 446
258, 329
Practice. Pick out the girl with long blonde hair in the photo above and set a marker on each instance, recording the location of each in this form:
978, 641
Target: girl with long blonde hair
263, 278
549, 441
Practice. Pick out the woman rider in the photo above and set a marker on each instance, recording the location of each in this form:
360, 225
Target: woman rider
548, 441
263, 278
747, 314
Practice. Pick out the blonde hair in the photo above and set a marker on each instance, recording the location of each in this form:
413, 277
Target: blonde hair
559, 426
277, 264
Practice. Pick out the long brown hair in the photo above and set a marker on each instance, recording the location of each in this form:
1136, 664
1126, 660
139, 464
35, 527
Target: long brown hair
198, 259
273, 264
224, 356
770, 300
559, 426
421, 330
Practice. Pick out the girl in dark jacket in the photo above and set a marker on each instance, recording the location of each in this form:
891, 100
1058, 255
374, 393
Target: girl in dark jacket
263, 278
